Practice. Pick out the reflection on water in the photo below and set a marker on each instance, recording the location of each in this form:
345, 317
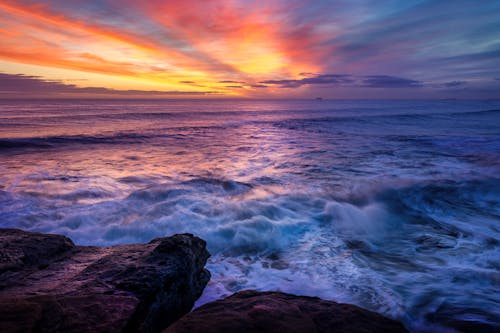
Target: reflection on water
390, 205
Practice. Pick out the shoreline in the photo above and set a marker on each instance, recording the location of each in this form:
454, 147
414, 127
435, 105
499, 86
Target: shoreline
47, 284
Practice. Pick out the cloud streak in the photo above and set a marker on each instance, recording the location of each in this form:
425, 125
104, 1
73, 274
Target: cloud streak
18, 85
349, 80
387, 81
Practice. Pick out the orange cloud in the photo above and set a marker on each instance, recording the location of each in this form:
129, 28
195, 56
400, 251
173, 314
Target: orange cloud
208, 42
252, 38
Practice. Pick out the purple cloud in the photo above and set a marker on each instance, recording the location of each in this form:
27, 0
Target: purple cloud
387, 81
318, 79
348, 80
453, 84
230, 81
15, 85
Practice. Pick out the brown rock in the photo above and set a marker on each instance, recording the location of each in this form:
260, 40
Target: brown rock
275, 312
47, 284
19, 249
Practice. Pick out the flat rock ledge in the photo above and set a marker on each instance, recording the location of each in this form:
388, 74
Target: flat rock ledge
47, 284
275, 312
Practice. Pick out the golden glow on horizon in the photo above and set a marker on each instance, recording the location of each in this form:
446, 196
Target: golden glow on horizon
212, 45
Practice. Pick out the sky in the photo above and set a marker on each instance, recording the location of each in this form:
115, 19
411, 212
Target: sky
353, 49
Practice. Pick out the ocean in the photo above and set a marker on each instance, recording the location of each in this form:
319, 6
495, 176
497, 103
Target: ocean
390, 205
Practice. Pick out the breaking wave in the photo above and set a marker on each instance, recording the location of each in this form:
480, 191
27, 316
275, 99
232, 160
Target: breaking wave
396, 210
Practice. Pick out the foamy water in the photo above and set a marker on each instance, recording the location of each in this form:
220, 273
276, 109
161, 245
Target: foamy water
393, 206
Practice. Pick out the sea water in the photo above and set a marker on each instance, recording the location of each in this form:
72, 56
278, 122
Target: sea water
390, 205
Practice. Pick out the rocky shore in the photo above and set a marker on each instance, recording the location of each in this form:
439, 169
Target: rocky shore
47, 284
269, 312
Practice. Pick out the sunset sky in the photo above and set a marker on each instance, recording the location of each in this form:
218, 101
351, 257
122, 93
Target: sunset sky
255, 49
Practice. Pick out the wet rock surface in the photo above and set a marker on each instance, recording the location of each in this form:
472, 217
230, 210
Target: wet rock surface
252, 311
47, 284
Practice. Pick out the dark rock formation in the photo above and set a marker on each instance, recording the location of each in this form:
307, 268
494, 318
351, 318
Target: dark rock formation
274, 312
47, 284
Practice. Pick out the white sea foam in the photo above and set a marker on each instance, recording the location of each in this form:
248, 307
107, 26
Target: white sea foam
396, 213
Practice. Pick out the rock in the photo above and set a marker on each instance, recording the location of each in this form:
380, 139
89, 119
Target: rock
19, 249
47, 284
252, 311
